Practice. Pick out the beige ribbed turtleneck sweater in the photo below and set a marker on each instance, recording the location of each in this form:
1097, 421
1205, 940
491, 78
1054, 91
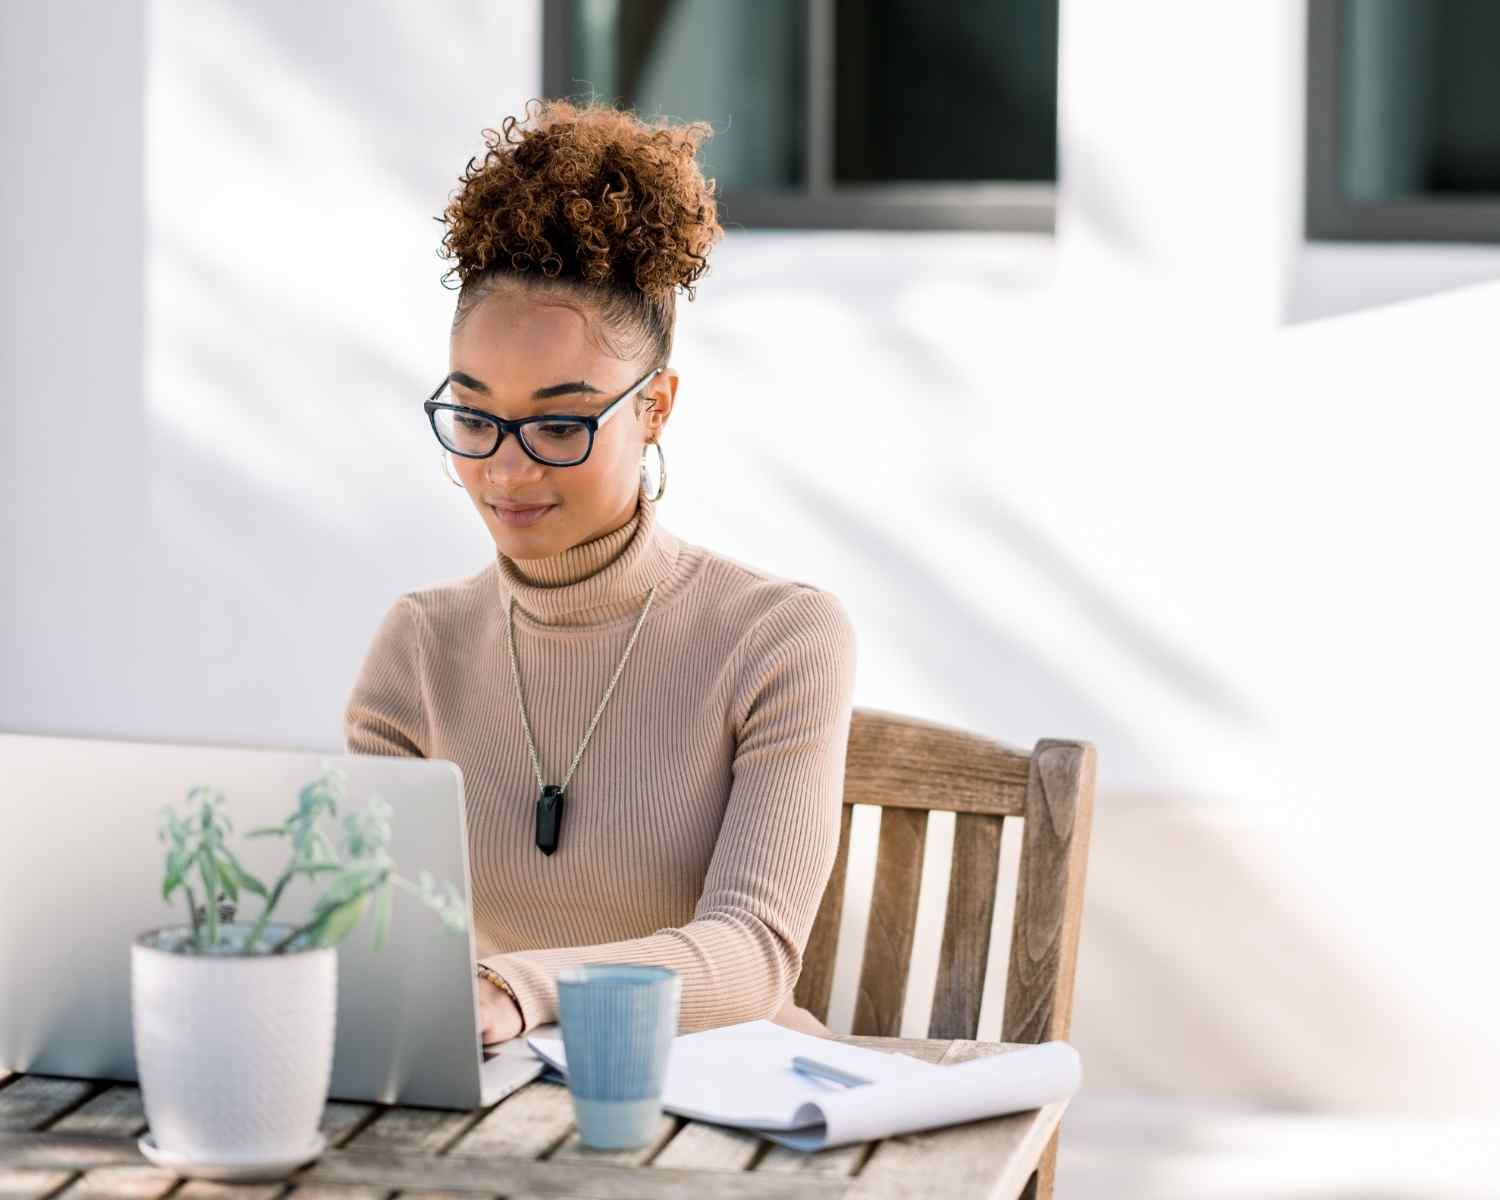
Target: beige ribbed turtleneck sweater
701, 823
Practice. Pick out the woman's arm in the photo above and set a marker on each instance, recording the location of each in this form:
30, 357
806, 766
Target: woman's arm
742, 951
384, 712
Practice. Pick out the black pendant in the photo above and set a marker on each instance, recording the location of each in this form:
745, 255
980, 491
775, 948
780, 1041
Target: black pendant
549, 810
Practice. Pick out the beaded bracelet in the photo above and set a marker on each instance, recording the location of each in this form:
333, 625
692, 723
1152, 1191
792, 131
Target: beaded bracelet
489, 974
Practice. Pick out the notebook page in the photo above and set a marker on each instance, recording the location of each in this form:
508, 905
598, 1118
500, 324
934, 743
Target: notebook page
1015, 1081
742, 1074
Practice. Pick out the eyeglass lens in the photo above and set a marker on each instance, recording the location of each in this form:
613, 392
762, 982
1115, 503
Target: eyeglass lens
559, 441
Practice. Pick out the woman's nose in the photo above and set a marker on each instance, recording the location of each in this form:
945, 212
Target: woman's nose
510, 460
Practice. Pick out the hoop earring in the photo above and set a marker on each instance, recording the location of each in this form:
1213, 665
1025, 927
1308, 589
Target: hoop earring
448, 469
661, 487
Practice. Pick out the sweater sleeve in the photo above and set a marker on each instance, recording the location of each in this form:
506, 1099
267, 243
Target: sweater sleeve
741, 952
384, 713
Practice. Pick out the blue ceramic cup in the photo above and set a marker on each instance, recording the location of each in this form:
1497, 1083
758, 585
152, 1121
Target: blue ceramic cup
618, 1021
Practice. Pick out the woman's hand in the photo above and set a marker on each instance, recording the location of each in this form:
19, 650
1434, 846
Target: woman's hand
499, 1018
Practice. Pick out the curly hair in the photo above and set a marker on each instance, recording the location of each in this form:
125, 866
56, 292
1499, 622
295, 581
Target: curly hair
605, 211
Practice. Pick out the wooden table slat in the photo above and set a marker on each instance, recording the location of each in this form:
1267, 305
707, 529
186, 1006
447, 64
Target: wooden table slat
340, 1121
425, 1131
526, 1124
19, 1184
574, 1150
839, 1161
708, 1148
210, 1189
420, 1131
50, 1150
143, 1182
342, 1191
34, 1101
30, 1102
116, 1110
581, 1177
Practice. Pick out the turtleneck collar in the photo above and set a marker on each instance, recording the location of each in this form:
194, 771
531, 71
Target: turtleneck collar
596, 581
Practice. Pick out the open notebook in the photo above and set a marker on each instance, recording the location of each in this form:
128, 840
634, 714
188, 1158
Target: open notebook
742, 1075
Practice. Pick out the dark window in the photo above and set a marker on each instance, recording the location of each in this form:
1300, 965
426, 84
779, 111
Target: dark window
837, 113
1404, 120
938, 93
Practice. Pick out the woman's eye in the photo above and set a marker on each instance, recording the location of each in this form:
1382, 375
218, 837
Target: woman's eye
559, 431
468, 424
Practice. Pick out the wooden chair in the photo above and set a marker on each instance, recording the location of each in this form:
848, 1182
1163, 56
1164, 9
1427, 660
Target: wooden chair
910, 768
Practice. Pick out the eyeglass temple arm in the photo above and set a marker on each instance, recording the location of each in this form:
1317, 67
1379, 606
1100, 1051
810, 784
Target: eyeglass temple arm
613, 408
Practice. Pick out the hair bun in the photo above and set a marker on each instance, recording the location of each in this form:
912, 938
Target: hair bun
588, 193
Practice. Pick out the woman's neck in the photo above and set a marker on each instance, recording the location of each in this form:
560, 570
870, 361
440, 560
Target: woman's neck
595, 582
579, 562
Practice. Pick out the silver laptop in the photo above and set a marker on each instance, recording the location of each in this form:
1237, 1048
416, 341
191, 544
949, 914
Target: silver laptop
81, 871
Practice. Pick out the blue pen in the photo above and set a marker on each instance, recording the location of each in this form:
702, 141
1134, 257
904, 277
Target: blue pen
819, 1070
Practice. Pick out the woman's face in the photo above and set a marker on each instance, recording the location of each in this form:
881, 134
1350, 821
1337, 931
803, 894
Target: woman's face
512, 346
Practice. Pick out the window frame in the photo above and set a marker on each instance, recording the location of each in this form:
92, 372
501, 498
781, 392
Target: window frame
1328, 215
1019, 207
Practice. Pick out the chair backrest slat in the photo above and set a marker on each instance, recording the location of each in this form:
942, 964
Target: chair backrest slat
893, 922
900, 762
966, 926
1049, 893
815, 984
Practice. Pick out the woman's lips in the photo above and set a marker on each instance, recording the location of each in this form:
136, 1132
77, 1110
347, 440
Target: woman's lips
522, 516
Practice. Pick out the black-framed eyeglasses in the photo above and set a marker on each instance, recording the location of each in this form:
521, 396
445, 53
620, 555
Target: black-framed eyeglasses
552, 439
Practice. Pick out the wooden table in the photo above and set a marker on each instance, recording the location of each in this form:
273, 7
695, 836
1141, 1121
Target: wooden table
76, 1137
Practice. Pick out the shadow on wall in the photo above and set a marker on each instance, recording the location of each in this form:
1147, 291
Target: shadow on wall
959, 649
1330, 278
1197, 683
388, 83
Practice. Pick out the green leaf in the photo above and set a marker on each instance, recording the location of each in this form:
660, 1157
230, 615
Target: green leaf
246, 880
268, 831
337, 924
382, 914
348, 884
224, 873
211, 886
177, 862
324, 868
455, 915
172, 827
447, 903
321, 850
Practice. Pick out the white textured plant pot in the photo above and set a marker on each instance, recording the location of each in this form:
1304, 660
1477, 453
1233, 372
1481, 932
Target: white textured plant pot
234, 1051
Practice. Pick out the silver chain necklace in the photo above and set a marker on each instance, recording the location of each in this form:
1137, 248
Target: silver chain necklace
549, 805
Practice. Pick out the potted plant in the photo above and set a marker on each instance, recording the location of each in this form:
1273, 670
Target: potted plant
233, 1020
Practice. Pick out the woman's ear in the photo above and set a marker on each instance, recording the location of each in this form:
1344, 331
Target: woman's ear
657, 401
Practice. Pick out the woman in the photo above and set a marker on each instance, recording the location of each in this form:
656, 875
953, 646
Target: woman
652, 735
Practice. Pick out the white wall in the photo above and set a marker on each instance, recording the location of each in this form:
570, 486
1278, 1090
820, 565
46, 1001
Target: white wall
1248, 561
72, 318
